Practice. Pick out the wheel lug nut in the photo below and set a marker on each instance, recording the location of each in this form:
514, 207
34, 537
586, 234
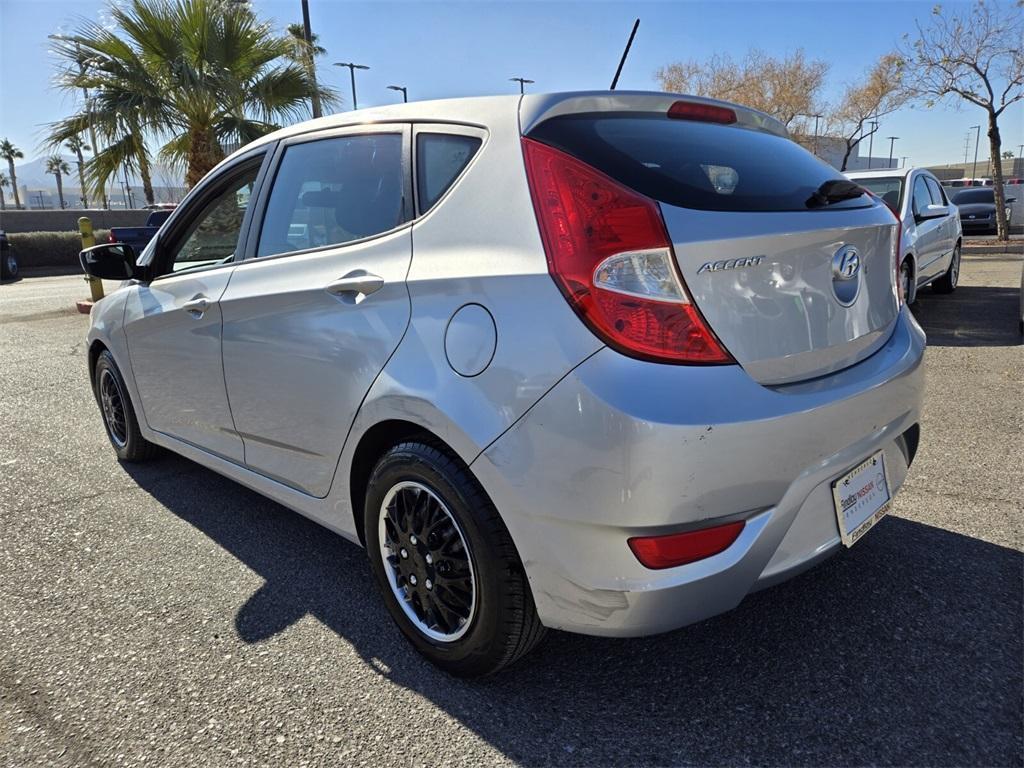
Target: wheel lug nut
412, 579
412, 539
429, 559
404, 553
429, 584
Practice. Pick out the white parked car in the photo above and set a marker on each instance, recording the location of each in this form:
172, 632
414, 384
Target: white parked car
931, 240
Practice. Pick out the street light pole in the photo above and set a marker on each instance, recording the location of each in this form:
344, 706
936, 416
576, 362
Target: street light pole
352, 71
307, 34
522, 82
405, 94
892, 141
871, 141
903, 163
977, 136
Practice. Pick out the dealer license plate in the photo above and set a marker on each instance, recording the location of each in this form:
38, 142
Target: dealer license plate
862, 498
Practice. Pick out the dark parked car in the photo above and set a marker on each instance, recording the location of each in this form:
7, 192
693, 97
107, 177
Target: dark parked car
139, 237
977, 207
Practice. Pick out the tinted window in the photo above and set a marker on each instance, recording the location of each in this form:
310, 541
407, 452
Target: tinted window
333, 191
933, 187
693, 164
440, 158
922, 197
212, 236
889, 188
974, 195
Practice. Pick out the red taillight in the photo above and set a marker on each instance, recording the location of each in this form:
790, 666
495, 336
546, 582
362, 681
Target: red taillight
705, 113
681, 548
609, 253
111, 238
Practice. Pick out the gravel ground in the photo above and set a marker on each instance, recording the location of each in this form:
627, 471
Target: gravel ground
163, 615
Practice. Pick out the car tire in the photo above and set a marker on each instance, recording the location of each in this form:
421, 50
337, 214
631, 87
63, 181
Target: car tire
445, 563
907, 283
119, 420
948, 282
8, 266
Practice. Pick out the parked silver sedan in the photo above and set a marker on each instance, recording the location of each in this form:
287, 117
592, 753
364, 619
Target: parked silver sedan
932, 236
603, 362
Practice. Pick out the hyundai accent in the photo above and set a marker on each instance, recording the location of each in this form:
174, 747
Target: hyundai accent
603, 362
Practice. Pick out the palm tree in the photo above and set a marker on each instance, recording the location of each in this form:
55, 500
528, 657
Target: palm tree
76, 145
192, 75
4, 182
58, 167
10, 153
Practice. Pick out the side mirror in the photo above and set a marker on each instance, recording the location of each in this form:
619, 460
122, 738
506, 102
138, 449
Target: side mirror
110, 261
933, 212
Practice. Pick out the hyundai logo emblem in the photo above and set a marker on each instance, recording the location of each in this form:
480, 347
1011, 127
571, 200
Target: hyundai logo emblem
846, 263
846, 274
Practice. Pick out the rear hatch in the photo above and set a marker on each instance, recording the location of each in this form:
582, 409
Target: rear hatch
791, 267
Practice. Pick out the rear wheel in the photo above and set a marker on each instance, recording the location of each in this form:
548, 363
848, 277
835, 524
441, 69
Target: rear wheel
947, 283
448, 570
118, 414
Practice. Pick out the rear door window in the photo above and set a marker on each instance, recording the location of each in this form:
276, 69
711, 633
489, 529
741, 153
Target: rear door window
692, 164
440, 158
333, 191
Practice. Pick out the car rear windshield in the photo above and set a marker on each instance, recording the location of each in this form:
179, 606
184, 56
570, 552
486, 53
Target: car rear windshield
968, 196
697, 165
889, 188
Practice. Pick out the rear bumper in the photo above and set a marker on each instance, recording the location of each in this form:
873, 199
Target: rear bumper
622, 448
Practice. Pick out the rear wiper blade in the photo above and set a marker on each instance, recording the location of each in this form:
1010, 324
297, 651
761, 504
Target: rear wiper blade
834, 191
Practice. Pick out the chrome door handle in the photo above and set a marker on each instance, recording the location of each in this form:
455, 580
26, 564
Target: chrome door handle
356, 284
197, 306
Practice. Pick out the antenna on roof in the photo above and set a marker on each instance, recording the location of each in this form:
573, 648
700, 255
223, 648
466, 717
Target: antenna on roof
625, 53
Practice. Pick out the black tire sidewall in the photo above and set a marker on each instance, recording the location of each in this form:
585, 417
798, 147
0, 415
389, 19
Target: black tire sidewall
474, 652
128, 451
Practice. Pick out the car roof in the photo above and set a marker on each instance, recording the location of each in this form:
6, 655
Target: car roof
481, 110
878, 173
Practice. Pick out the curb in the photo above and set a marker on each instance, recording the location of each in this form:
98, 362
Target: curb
975, 250
84, 306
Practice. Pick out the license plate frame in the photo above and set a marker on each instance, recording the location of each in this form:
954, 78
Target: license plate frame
864, 490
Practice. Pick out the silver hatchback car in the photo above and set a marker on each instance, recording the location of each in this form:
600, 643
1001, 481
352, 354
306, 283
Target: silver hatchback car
603, 362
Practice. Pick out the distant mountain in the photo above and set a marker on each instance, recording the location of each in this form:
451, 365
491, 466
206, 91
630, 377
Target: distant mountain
33, 175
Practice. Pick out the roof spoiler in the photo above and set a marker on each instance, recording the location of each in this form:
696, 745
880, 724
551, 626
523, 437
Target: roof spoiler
534, 109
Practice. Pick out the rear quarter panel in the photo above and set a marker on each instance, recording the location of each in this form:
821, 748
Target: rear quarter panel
479, 245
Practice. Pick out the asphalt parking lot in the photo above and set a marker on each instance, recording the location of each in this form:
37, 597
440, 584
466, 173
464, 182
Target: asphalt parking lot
161, 614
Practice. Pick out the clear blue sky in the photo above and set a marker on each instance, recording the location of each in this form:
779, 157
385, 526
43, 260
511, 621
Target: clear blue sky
440, 49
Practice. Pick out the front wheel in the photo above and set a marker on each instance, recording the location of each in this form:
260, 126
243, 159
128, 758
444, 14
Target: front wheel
118, 414
947, 283
448, 570
907, 282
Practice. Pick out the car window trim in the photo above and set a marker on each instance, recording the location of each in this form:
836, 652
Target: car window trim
404, 128
200, 197
450, 129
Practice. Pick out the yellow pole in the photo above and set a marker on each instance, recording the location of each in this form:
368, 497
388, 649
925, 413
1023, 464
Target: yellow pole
88, 241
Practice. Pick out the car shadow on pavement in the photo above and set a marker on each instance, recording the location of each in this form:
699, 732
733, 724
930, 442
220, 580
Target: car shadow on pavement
972, 316
904, 650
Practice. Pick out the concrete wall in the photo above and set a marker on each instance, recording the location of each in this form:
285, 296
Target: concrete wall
67, 220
